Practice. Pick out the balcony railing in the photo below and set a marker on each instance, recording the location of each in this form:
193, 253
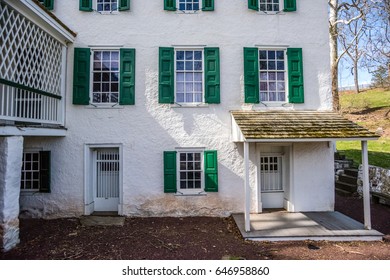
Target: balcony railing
24, 104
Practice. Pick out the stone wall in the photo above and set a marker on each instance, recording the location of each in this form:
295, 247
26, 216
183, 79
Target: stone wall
379, 179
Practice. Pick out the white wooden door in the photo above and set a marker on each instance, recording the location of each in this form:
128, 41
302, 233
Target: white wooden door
271, 180
106, 179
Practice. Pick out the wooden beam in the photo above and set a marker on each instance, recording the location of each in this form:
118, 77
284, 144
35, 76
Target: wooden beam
247, 188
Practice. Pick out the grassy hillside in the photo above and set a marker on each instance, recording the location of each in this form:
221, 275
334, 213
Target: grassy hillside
371, 110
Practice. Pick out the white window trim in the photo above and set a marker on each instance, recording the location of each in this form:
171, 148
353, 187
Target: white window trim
190, 192
93, 105
280, 12
283, 170
27, 192
113, 12
190, 104
188, 12
276, 103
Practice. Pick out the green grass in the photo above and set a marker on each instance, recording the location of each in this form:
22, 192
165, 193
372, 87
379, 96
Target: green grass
366, 103
373, 99
378, 152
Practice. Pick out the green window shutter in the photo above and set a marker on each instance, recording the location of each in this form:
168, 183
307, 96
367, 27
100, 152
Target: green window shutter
290, 5
251, 75
253, 5
85, 5
166, 75
212, 75
211, 171
295, 75
49, 4
170, 5
81, 73
208, 5
124, 5
44, 171
170, 172
127, 77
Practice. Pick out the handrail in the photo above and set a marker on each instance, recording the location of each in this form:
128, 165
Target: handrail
22, 87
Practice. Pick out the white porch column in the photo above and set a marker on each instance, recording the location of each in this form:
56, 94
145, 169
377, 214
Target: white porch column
247, 188
366, 187
11, 151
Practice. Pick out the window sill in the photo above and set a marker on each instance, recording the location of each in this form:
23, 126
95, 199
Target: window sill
99, 106
271, 13
273, 105
30, 192
107, 13
188, 12
191, 194
191, 105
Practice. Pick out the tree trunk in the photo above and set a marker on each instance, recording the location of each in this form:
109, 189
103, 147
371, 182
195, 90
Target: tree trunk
355, 76
333, 53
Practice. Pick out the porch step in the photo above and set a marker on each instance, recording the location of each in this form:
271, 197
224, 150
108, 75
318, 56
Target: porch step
348, 179
352, 188
343, 193
351, 172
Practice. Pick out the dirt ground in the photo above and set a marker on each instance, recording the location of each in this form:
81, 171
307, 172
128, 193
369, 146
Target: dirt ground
189, 238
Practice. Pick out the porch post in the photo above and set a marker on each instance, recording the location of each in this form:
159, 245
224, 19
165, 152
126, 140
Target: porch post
247, 188
11, 151
366, 187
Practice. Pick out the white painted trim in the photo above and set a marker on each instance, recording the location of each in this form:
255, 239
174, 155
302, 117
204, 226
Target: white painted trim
52, 22
63, 85
31, 131
300, 140
366, 187
88, 207
247, 188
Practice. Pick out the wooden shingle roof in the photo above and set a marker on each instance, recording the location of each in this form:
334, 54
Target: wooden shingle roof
304, 125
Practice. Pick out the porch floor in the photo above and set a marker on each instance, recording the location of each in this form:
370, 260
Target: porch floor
286, 226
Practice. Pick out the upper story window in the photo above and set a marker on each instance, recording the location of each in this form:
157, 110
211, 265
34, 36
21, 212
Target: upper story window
189, 5
107, 5
189, 76
104, 6
104, 77
272, 6
273, 75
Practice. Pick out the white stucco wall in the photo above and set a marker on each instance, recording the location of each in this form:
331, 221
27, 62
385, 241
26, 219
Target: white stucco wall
148, 128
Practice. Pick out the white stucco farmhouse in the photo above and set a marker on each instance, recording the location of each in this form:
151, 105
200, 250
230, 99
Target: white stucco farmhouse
165, 108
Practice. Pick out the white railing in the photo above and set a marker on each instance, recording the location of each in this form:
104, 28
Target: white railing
23, 104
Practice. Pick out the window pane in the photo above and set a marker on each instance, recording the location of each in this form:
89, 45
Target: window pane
189, 65
179, 55
197, 76
198, 55
189, 55
180, 65
180, 76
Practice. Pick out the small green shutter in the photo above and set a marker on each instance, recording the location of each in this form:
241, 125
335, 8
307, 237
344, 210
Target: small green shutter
44, 171
85, 5
290, 5
166, 75
208, 5
124, 5
295, 75
49, 4
170, 5
127, 77
212, 75
253, 5
251, 75
81, 72
170, 172
211, 171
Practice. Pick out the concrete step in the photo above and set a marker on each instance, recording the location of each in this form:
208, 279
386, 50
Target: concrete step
346, 187
348, 179
351, 172
343, 193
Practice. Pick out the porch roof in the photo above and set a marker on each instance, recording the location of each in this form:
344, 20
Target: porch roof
297, 126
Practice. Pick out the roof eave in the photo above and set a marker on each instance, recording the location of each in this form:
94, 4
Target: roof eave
300, 140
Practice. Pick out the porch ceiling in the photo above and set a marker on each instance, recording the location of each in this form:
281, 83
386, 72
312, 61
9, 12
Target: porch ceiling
261, 126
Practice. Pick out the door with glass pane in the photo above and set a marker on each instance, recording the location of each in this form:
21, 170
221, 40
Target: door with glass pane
106, 179
271, 181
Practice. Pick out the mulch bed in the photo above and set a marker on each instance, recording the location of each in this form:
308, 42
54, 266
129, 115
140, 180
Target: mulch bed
203, 238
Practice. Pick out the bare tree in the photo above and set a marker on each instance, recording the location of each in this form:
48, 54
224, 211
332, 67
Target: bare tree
340, 14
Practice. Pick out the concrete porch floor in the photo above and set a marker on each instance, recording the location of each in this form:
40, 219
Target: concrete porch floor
287, 226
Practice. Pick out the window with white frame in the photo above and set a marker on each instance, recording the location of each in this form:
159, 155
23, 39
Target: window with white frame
189, 5
272, 75
105, 75
190, 171
189, 75
30, 171
271, 173
106, 5
270, 5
